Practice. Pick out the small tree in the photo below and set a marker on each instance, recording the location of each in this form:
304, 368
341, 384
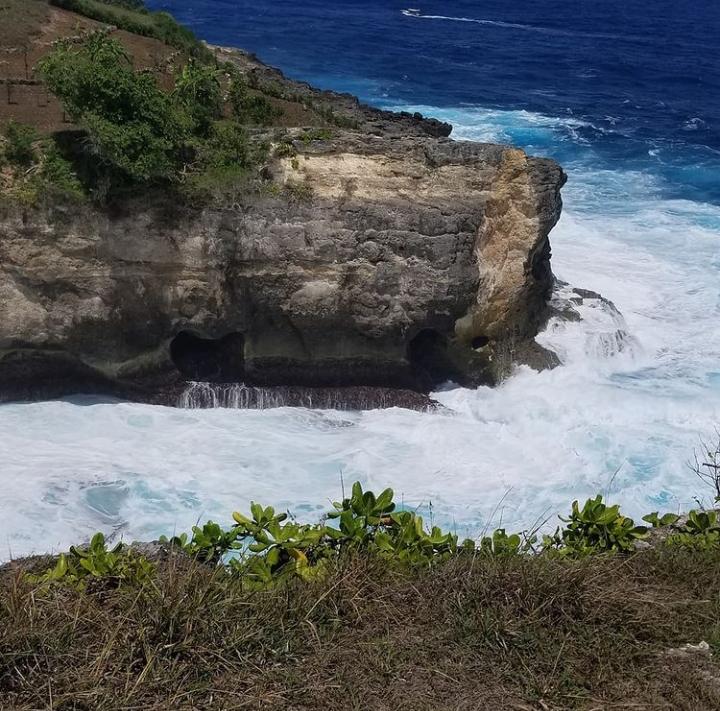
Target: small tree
133, 126
198, 92
250, 108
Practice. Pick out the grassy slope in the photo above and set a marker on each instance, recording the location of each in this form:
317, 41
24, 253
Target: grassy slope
20, 21
518, 633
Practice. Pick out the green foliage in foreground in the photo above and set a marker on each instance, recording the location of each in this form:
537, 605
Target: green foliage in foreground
265, 548
595, 528
118, 564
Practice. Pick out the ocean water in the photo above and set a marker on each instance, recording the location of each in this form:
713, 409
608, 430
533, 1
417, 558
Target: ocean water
626, 95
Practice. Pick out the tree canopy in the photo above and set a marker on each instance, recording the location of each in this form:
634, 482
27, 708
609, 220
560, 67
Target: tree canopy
133, 126
136, 132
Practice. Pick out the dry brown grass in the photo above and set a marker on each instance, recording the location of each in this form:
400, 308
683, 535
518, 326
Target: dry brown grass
20, 21
522, 633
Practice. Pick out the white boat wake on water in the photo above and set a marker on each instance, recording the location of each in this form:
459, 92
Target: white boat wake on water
414, 12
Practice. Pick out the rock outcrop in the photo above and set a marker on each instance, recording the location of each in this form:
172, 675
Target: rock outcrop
367, 261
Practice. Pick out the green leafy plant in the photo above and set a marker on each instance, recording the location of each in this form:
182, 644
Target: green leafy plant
657, 521
20, 144
701, 522
595, 528
266, 548
501, 543
57, 175
249, 107
700, 531
209, 543
198, 91
404, 539
118, 565
134, 128
276, 549
360, 514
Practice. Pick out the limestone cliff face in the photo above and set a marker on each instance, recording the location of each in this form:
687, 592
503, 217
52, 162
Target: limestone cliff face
366, 260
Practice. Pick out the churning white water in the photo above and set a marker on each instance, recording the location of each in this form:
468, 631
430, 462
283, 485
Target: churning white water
624, 413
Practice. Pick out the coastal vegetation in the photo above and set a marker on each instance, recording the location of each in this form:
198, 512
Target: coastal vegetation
371, 607
132, 16
189, 126
135, 133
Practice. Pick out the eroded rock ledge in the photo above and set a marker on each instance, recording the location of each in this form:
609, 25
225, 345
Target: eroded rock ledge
376, 261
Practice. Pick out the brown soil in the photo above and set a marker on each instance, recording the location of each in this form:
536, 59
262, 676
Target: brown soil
27, 30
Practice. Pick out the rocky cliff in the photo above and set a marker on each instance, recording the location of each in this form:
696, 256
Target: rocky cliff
370, 261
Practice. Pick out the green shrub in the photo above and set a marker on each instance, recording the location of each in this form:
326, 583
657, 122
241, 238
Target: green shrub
57, 175
20, 143
134, 128
701, 522
501, 543
657, 521
227, 146
250, 108
208, 544
138, 134
119, 565
700, 531
265, 548
596, 528
197, 90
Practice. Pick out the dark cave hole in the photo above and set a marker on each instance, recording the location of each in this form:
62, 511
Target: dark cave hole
428, 355
219, 360
479, 341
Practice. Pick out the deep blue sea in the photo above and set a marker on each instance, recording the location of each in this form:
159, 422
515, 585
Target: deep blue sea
626, 95
638, 81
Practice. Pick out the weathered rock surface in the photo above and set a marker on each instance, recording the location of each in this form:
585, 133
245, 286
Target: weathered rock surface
368, 261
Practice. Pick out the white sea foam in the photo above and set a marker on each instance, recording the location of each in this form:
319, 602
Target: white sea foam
636, 391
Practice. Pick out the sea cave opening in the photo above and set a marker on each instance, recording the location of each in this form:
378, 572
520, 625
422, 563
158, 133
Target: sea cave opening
218, 360
428, 355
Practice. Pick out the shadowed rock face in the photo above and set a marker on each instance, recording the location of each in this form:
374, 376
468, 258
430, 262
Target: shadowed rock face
380, 261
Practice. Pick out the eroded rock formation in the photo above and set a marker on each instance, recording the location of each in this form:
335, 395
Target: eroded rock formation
365, 261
